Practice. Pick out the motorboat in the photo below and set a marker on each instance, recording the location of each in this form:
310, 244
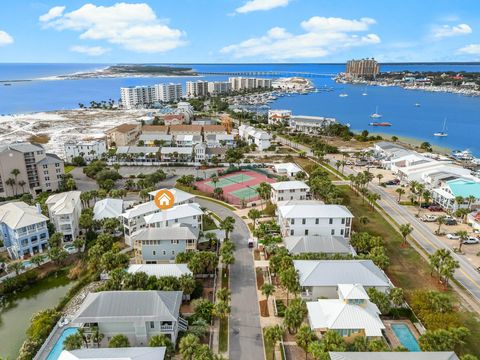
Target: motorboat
343, 95
380, 124
417, 104
465, 155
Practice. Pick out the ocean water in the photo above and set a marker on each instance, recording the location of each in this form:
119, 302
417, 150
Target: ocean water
395, 104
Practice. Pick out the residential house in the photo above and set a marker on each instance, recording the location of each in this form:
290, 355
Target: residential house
289, 190
123, 135
287, 169
447, 196
279, 116
108, 208
130, 353
180, 215
88, 150
395, 355
314, 219
255, 136
474, 220
64, 210
186, 130
161, 270
187, 140
140, 154
181, 197
176, 154
26, 168
23, 229
155, 139
155, 129
310, 124
326, 244
214, 129
320, 278
159, 245
215, 152
351, 315
138, 315
172, 119
220, 140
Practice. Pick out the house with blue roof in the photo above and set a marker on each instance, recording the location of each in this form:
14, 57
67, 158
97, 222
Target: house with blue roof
448, 196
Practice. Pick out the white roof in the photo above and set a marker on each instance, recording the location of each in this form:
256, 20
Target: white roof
180, 149
433, 355
314, 210
328, 244
63, 203
169, 233
336, 314
137, 149
177, 212
159, 270
107, 208
180, 196
288, 167
290, 185
17, 215
130, 353
334, 272
352, 291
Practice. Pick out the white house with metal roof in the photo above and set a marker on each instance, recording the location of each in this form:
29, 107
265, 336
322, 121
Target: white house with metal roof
312, 218
138, 315
320, 278
161, 270
288, 169
255, 136
326, 244
351, 315
448, 196
23, 229
64, 210
289, 190
130, 353
108, 208
186, 214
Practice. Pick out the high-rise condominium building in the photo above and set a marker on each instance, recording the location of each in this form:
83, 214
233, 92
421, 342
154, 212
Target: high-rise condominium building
242, 83
218, 87
139, 96
196, 88
364, 68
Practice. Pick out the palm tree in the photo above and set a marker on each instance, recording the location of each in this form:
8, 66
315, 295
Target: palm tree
273, 334
400, 192
188, 346
119, 341
15, 173
254, 214
97, 336
73, 342
440, 222
405, 230
463, 235
267, 290
304, 337
363, 220
16, 266
22, 184
379, 177
162, 341
11, 182
214, 180
227, 225
470, 200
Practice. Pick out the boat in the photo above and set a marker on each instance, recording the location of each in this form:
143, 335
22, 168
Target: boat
442, 133
376, 115
365, 93
417, 104
343, 95
462, 155
380, 124
7, 84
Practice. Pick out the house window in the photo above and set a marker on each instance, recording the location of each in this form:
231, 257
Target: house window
152, 325
306, 232
343, 221
333, 232
341, 231
304, 221
173, 241
347, 232
317, 221
164, 252
330, 221
291, 232
45, 166
154, 252
173, 252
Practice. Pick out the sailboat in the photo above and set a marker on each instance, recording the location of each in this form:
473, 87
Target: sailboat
417, 104
376, 115
442, 133
365, 92
343, 95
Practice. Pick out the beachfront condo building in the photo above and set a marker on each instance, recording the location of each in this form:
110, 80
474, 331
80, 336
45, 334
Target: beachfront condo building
364, 68
141, 96
243, 83
197, 88
26, 168
219, 87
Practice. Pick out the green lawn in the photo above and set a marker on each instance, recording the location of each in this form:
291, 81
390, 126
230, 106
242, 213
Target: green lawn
223, 336
69, 168
308, 165
407, 269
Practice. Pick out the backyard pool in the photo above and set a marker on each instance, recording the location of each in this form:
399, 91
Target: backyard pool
405, 336
58, 347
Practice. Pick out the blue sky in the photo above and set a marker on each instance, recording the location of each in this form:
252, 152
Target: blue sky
239, 31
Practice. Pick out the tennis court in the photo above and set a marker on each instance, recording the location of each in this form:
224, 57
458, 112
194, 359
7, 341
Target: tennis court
229, 180
238, 187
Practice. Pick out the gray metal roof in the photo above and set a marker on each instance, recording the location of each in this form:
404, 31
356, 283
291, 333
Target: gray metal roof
131, 353
317, 244
22, 147
168, 233
121, 306
50, 159
334, 272
444, 355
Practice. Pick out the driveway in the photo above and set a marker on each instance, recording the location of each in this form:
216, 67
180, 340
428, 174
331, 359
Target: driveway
245, 331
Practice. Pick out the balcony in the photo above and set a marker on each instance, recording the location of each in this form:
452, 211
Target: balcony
166, 328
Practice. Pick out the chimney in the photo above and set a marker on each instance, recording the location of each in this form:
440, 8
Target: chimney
39, 208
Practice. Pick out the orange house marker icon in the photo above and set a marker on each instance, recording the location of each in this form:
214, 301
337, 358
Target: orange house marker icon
164, 199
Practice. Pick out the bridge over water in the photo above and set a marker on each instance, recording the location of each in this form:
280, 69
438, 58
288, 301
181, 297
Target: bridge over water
265, 73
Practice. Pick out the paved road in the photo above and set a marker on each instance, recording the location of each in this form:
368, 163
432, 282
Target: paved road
245, 331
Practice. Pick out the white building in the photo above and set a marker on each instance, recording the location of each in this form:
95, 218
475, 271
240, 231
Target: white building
310, 124
64, 210
351, 315
168, 92
254, 136
314, 219
325, 244
320, 278
108, 209
289, 190
220, 140
186, 109
187, 140
243, 83
218, 87
186, 214
130, 353
88, 150
140, 96
288, 169
177, 154
138, 315
197, 88
449, 195
161, 270
279, 116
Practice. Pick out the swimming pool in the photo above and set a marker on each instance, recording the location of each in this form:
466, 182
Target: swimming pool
58, 348
26, 264
405, 336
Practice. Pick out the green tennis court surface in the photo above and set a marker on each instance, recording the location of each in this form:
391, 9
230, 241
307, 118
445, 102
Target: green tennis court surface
246, 193
230, 180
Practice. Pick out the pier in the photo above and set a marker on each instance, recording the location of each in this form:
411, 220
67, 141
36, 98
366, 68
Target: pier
265, 73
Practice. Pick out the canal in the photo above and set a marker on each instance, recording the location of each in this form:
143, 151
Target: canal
16, 314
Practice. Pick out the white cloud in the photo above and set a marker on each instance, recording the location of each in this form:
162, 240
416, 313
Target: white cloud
89, 50
449, 30
135, 27
261, 5
5, 38
472, 49
322, 37
53, 13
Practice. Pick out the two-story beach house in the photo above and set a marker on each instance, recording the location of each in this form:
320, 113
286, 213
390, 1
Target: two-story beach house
289, 190
64, 210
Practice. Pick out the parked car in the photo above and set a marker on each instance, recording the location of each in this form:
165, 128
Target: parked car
450, 221
429, 218
471, 240
435, 208
250, 243
425, 205
476, 231
453, 236
392, 182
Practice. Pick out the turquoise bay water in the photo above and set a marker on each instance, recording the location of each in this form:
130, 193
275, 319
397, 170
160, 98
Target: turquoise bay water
394, 103
405, 336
